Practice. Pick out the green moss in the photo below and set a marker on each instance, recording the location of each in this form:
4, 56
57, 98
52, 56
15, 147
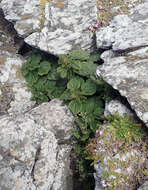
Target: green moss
121, 136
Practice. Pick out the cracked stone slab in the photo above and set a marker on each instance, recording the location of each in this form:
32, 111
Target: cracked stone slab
128, 74
32, 157
126, 31
56, 27
14, 95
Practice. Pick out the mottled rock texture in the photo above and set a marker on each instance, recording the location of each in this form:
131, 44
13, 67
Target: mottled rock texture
126, 31
35, 149
55, 26
125, 64
114, 107
34, 143
144, 186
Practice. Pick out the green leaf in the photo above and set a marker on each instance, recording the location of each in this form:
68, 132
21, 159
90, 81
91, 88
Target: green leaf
95, 57
63, 73
40, 85
25, 69
74, 106
50, 85
34, 62
88, 88
53, 74
56, 93
77, 65
74, 83
85, 137
44, 68
98, 111
66, 95
90, 105
76, 134
79, 55
31, 78
42, 99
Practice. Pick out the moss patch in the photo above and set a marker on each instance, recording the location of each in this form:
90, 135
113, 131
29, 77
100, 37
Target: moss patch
121, 147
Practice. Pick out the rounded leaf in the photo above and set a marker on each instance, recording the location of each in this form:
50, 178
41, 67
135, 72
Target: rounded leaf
74, 83
74, 106
88, 88
44, 68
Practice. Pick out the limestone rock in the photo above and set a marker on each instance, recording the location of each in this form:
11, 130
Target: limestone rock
53, 26
128, 74
144, 186
126, 31
115, 106
14, 96
31, 155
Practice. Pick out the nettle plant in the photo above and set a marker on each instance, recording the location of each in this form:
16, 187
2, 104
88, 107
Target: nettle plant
71, 78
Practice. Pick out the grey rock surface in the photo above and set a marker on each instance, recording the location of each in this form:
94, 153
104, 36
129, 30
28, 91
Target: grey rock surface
126, 31
114, 107
31, 155
144, 186
128, 74
35, 142
14, 95
55, 26
125, 64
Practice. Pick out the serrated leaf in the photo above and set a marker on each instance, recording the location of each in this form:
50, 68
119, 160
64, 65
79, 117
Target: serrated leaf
31, 78
25, 69
98, 111
63, 73
42, 99
90, 105
74, 83
40, 84
63, 59
74, 106
95, 57
88, 88
56, 92
66, 95
53, 74
76, 64
50, 86
79, 55
44, 68
34, 62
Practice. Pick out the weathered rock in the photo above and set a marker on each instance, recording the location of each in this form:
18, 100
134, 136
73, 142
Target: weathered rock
14, 96
128, 74
125, 64
9, 41
119, 163
114, 107
31, 155
126, 31
53, 26
144, 186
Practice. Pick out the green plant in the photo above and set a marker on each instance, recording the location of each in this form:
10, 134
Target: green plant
120, 135
42, 78
71, 78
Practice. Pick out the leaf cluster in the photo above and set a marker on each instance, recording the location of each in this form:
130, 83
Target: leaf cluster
126, 129
71, 78
42, 78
